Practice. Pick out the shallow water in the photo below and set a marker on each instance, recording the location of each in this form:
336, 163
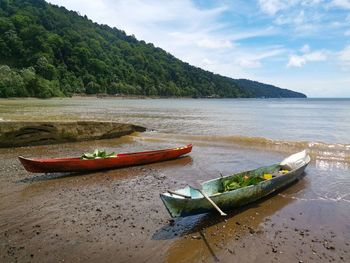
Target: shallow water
287, 125
269, 125
228, 136
312, 120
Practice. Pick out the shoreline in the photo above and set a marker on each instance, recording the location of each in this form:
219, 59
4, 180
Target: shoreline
117, 215
109, 96
142, 97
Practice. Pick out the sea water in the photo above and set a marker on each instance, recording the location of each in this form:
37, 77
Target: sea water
255, 131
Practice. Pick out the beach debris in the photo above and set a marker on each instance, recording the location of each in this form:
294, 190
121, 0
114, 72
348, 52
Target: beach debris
171, 222
231, 251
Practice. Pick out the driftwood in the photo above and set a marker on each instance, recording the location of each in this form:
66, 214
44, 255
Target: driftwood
16, 134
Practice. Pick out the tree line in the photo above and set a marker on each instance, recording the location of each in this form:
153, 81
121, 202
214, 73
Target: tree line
47, 51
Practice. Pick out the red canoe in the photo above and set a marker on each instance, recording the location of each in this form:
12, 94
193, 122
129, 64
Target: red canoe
52, 165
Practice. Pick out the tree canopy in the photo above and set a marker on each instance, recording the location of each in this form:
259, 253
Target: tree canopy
46, 51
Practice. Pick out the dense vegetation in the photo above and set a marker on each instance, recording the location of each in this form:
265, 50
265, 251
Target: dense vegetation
261, 90
48, 51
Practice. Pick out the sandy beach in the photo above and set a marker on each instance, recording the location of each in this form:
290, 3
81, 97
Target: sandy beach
117, 215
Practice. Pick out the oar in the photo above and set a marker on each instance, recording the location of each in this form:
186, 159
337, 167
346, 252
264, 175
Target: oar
209, 199
175, 193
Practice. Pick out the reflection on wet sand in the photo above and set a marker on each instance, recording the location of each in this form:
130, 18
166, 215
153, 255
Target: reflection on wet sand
192, 247
39, 184
114, 173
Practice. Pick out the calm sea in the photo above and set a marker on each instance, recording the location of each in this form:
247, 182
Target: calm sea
321, 125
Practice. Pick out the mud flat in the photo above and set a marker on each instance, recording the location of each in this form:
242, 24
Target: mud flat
16, 134
117, 215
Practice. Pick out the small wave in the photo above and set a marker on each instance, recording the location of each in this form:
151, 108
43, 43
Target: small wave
319, 151
320, 198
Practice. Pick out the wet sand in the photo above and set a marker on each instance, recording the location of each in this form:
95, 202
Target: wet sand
117, 215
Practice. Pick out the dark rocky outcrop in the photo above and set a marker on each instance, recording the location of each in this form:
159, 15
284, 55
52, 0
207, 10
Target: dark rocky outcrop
16, 134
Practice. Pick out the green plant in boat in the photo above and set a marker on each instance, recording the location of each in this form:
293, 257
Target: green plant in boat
241, 180
97, 154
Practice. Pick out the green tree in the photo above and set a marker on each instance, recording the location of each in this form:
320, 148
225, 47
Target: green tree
45, 69
11, 83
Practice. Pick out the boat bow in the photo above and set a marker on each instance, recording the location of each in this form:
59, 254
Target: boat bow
186, 201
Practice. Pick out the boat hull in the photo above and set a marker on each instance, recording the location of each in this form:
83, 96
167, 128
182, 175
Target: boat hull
197, 204
52, 165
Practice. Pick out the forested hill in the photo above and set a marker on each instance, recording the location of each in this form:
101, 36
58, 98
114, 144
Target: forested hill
261, 90
48, 51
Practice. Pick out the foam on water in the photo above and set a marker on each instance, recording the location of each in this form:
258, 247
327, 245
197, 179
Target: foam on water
318, 151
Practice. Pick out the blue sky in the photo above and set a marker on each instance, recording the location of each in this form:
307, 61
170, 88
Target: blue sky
303, 45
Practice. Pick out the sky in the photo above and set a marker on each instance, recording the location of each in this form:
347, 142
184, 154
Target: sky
302, 45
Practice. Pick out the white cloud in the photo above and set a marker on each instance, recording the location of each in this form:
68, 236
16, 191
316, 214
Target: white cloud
214, 43
296, 61
344, 57
341, 3
249, 62
207, 61
316, 56
271, 7
305, 48
254, 59
300, 18
307, 56
306, 17
135, 15
303, 21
